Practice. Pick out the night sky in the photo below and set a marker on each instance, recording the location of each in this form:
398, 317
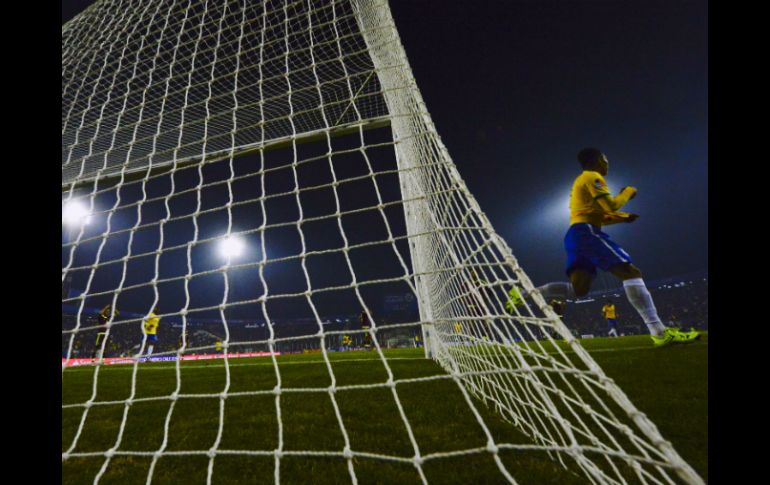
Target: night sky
516, 88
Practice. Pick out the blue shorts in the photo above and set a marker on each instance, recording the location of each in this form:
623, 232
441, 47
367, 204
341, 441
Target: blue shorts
152, 338
611, 322
589, 248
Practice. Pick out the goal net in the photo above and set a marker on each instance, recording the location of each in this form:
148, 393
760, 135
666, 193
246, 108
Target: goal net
265, 178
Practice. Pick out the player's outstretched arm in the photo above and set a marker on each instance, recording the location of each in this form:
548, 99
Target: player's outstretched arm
611, 204
617, 217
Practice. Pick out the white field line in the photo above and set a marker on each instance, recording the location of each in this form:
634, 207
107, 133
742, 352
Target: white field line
316, 362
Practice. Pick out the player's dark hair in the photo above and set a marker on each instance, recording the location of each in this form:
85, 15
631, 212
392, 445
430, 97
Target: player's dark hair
588, 156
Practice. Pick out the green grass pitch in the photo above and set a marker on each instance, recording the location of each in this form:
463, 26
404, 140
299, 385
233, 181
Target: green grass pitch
670, 385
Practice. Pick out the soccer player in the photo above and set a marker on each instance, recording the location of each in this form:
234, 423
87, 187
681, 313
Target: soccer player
347, 342
592, 206
104, 317
608, 312
363, 319
184, 338
558, 307
150, 329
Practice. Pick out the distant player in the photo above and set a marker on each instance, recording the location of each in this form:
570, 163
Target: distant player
674, 322
104, 317
458, 333
347, 342
558, 307
608, 312
150, 329
184, 339
363, 319
592, 206
76, 348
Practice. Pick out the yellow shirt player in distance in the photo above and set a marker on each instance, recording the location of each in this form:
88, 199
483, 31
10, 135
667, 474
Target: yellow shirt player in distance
608, 312
150, 329
347, 342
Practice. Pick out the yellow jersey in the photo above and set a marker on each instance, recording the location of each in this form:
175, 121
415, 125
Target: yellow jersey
584, 207
151, 324
608, 311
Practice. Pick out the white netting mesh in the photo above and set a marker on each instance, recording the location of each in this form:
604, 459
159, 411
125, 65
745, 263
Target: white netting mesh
297, 128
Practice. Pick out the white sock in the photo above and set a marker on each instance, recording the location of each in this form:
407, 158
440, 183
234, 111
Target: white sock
613, 332
640, 298
149, 350
557, 291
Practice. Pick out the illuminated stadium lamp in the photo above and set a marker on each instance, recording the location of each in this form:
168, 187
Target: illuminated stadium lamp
231, 247
75, 213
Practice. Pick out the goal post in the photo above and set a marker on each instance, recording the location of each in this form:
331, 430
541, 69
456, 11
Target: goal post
296, 129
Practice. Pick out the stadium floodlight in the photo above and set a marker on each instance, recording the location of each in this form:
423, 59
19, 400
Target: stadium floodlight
75, 213
231, 247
